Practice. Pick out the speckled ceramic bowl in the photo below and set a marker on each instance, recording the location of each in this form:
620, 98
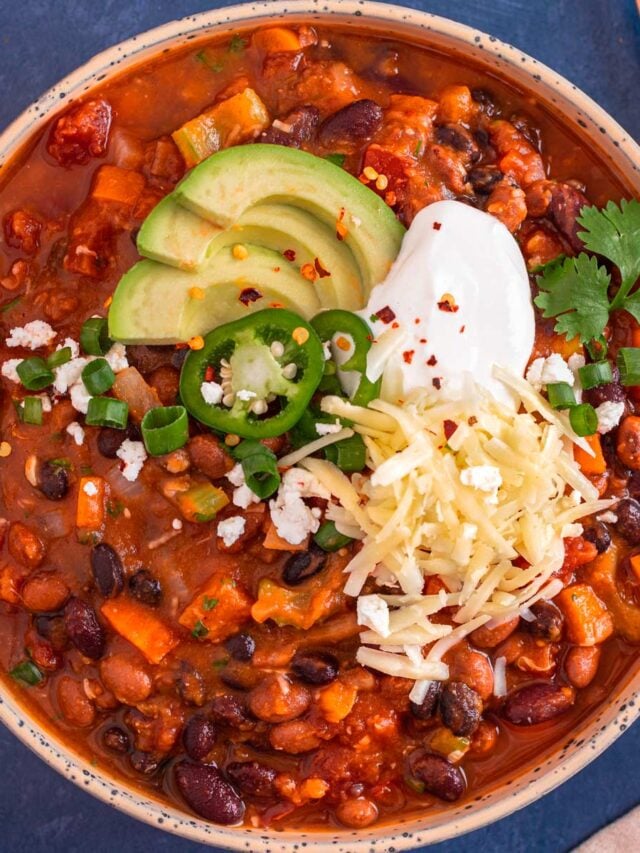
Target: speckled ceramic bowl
593, 735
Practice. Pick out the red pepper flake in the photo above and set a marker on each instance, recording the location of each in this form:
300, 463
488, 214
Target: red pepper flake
417, 321
395, 325
386, 314
308, 271
423, 340
437, 382
182, 346
322, 272
449, 427
276, 269
437, 226
209, 374
276, 305
249, 295
448, 303
472, 420
341, 229
289, 254
407, 356
432, 361
462, 328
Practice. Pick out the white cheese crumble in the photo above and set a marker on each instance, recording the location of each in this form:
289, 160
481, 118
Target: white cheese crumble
212, 393
373, 612
74, 346
231, 529
117, 358
9, 369
90, 488
245, 395
76, 432
68, 374
328, 429
609, 517
292, 518
243, 496
544, 371
609, 415
32, 335
133, 454
46, 402
484, 478
176, 524
80, 397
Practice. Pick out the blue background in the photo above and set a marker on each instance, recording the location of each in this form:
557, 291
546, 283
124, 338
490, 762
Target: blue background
596, 44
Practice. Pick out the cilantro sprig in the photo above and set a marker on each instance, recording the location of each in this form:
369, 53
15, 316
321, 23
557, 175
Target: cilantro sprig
576, 290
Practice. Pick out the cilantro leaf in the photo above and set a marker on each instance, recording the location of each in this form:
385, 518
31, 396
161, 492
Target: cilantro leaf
575, 291
614, 233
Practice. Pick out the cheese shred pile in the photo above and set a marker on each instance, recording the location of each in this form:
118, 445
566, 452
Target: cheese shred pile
472, 492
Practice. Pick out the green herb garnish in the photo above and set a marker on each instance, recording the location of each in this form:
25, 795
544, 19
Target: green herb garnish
214, 65
26, 672
9, 305
237, 44
115, 508
199, 630
62, 462
208, 603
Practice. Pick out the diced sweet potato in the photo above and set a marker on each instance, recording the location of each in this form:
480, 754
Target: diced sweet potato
141, 627
587, 620
218, 610
276, 40
591, 464
336, 701
276, 543
120, 186
90, 510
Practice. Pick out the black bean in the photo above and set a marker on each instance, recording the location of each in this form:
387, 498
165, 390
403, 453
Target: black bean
240, 647
144, 762
252, 777
147, 358
107, 569
315, 667
208, 794
486, 101
548, 622
230, 711
199, 737
53, 481
146, 588
357, 121
456, 137
110, 440
303, 565
301, 125
116, 739
83, 628
460, 708
484, 178
628, 524
439, 776
426, 709
598, 533
537, 703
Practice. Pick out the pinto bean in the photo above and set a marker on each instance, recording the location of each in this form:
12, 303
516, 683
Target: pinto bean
485, 738
460, 708
488, 638
357, 812
315, 667
107, 569
537, 703
208, 794
471, 667
295, 737
74, 704
252, 777
127, 677
209, 456
276, 699
83, 628
295, 128
24, 545
357, 121
548, 623
628, 524
581, 665
199, 737
166, 381
628, 442
439, 776
45, 592
426, 709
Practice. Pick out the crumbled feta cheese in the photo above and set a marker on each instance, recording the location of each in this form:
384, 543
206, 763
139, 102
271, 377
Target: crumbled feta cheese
46, 402
9, 369
68, 374
212, 393
609, 517
326, 348
328, 429
117, 358
176, 524
74, 346
543, 371
570, 531
292, 518
133, 454
242, 494
90, 488
609, 415
76, 432
80, 397
373, 612
33, 335
231, 529
575, 362
245, 395
485, 478
357, 222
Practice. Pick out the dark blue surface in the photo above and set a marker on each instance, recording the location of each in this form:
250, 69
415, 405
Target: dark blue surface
596, 44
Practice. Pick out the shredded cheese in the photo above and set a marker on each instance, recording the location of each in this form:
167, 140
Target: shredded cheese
319, 444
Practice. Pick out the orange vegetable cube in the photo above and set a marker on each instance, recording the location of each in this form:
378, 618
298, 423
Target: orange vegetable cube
456, 104
336, 701
587, 620
218, 610
90, 511
140, 626
277, 543
590, 464
276, 40
634, 562
122, 186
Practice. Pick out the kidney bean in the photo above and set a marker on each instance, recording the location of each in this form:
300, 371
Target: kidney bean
52, 629
581, 665
44, 592
315, 667
565, 207
484, 178
276, 699
144, 762
146, 358
208, 794
548, 623
107, 569
240, 676
456, 137
53, 481
241, 646
295, 737
43, 654
252, 778
83, 628
537, 703
301, 124
489, 638
628, 523
439, 776
127, 676
25, 546
357, 812
209, 456
357, 121
199, 737
303, 565
116, 739
460, 708
145, 588
598, 533
231, 711
613, 392
74, 703
628, 442
426, 709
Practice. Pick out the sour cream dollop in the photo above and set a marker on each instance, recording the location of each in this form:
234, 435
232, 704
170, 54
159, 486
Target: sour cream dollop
459, 299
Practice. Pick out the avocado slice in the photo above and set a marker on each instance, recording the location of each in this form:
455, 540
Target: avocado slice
173, 235
156, 304
225, 185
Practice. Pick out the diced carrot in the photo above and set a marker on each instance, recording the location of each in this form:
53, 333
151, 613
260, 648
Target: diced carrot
590, 464
218, 610
90, 512
301, 607
277, 543
634, 562
336, 701
141, 627
10, 577
587, 620
122, 186
276, 40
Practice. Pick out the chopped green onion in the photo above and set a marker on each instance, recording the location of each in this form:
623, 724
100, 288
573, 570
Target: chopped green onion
165, 429
105, 411
628, 364
32, 411
59, 357
201, 502
60, 462
583, 419
199, 630
94, 336
329, 539
260, 467
34, 373
98, 376
27, 673
561, 395
348, 454
593, 375
597, 348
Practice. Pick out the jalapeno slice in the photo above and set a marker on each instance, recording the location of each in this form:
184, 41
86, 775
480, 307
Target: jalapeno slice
263, 368
350, 339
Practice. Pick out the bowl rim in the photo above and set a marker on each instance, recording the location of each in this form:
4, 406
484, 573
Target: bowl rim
625, 154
